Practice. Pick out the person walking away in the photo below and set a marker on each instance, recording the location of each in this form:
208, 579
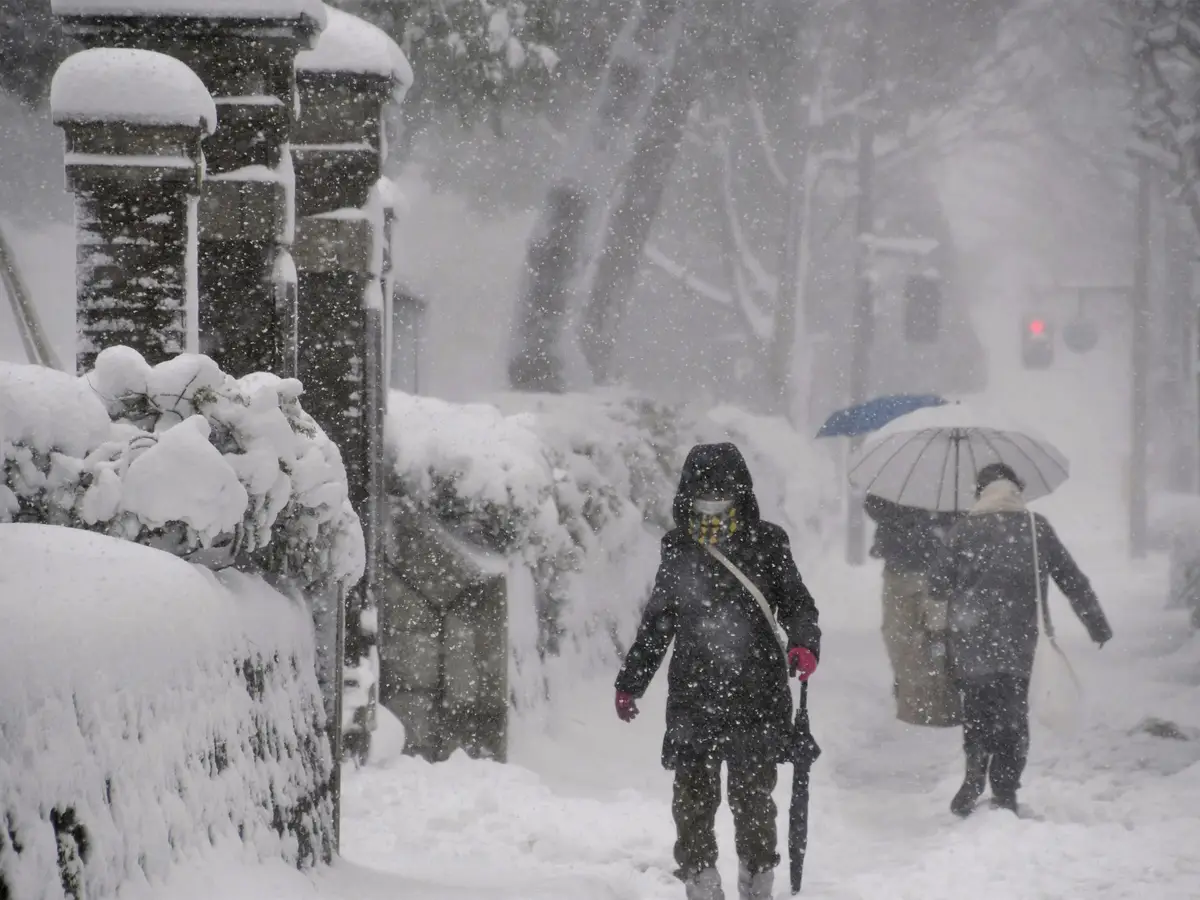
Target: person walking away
727, 695
987, 576
908, 540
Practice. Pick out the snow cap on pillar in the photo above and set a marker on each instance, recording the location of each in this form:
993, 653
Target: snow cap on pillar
134, 122
353, 46
135, 87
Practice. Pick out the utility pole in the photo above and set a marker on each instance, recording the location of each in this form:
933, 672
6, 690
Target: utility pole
779, 360
1139, 321
863, 323
598, 213
1139, 359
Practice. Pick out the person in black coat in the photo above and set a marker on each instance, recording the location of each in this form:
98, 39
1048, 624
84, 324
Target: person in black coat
986, 575
727, 695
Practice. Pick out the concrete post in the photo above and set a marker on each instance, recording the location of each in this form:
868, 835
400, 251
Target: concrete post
135, 164
444, 640
245, 56
344, 84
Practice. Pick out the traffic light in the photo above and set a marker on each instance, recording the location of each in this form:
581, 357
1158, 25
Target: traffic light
922, 309
1037, 342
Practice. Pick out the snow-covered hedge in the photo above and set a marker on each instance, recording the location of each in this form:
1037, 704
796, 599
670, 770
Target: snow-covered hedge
576, 490
149, 709
182, 457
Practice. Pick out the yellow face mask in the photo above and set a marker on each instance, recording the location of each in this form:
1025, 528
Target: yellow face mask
712, 529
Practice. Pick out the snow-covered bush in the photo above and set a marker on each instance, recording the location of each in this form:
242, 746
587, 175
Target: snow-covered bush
182, 457
149, 709
576, 490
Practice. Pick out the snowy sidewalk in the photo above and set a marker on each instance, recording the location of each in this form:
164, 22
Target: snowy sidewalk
584, 811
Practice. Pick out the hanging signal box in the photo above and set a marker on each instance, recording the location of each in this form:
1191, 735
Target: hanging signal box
1037, 342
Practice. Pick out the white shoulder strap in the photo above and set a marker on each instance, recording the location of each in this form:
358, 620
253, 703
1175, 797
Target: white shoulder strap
754, 592
1044, 602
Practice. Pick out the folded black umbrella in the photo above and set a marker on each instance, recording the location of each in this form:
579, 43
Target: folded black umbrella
804, 753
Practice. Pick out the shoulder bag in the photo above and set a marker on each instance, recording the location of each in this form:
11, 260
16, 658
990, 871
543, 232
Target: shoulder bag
1055, 692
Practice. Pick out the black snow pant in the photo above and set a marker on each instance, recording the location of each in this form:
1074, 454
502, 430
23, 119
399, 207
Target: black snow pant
697, 797
996, 728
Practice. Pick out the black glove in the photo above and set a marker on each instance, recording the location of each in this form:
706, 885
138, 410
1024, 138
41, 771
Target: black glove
1102, 633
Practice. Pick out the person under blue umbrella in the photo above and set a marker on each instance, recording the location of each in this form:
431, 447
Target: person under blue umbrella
908, 540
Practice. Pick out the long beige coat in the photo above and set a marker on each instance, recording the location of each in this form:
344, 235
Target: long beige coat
925, 693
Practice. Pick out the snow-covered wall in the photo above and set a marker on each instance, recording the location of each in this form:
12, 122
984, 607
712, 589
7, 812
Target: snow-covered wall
149, 709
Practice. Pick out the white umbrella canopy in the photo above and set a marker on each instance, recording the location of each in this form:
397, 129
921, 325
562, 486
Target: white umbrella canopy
929, 458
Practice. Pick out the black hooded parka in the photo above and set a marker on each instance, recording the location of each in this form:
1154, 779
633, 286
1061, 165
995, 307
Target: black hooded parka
727, 697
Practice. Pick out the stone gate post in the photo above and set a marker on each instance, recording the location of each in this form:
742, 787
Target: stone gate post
135, 164
244, 54
344, 84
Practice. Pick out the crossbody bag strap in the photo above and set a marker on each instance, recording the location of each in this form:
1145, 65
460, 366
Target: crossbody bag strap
754, 592
1043, 600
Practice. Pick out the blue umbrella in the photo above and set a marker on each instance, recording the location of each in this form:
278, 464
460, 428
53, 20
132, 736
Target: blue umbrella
874, 414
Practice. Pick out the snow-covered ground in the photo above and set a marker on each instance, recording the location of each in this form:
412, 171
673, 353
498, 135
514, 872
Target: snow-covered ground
585, 803
583, 809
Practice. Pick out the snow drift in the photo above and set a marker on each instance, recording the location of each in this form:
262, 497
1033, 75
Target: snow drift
148, 710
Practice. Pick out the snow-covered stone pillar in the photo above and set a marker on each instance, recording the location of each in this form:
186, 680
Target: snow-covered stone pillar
344, 84
134, 121
244, 54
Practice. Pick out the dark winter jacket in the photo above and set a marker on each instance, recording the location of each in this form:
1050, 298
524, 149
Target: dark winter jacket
727, 683
986, 575
907, 539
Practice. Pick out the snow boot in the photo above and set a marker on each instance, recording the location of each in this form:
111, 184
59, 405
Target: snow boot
1006, 800
757, 886
973, 784
704, 885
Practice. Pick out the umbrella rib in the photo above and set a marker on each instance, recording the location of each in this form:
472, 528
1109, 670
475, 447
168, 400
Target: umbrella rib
942, 481
984, 436
866, 456
1043, 450
1029, 456
907, 478
1033, 462
880, 446
974, 461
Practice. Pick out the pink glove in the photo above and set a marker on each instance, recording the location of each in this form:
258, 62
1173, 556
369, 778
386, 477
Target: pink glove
626, 707
801, 662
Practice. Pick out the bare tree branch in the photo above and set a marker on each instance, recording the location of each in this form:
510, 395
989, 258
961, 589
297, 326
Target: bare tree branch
693, 282
764, 138
764, 282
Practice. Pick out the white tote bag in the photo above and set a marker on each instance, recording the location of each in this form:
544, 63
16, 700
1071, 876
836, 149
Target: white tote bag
1055, 692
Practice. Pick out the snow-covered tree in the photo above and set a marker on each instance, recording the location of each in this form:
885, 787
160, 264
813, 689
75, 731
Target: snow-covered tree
469, 55
781, 150
31, 47
1166, 47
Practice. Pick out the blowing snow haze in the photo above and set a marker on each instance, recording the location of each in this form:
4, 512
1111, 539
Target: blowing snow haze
384, 328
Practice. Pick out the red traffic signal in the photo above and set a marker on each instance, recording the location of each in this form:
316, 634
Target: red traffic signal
1037, 343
